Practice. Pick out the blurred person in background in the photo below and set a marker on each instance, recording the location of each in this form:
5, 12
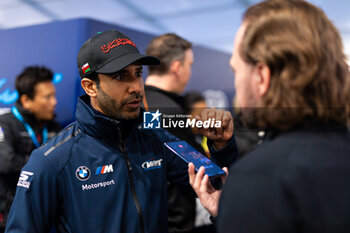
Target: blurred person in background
194, 104
292, 79
29, 124
164, 89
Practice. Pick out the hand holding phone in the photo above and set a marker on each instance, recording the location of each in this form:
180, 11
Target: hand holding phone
189, 154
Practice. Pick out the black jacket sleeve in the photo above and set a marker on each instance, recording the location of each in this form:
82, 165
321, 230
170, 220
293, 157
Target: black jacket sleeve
9, 160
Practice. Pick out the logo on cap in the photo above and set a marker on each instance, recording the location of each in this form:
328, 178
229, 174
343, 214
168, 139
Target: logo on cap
116, 43
83, 173
85, 68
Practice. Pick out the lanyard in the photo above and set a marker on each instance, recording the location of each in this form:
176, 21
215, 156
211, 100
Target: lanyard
28, 128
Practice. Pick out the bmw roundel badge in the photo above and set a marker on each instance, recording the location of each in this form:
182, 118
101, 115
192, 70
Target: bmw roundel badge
83, 173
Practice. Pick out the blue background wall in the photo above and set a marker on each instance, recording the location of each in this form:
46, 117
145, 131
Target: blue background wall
56, 46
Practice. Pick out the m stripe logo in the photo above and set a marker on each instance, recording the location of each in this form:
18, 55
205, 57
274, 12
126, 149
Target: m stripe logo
104, 169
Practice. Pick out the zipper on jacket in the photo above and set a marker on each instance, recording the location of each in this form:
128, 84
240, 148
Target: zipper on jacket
132, 185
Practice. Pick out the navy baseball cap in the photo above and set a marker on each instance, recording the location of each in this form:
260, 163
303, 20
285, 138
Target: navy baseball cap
109, 52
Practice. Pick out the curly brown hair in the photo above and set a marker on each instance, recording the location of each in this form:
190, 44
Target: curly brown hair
310, 80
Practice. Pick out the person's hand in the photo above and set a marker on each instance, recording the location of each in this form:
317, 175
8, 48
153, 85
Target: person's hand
220, 135
208, 196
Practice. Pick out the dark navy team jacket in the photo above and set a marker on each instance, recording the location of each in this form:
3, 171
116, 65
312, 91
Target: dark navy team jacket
88, 179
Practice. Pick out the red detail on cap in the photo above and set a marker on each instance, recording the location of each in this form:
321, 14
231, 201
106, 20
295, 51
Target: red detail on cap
115, 43
1, 217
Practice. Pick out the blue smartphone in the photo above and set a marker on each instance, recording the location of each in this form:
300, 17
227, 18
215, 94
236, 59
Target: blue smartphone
189, 154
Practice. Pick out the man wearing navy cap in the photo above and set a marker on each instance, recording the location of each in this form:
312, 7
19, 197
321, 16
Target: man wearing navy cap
104, 172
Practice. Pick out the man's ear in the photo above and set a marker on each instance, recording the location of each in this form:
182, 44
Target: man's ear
26, 101
175, 67
263, 78
89, 87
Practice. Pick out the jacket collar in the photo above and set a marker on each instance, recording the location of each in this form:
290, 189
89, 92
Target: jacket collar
101, 126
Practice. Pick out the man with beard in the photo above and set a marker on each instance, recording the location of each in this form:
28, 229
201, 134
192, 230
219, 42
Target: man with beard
104, 172
291, 78
26, 126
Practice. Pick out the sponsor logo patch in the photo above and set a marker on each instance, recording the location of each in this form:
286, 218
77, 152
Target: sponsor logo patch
104, 169
152, 164
2, 135
24, 179
4, 110
85, 187
83, 173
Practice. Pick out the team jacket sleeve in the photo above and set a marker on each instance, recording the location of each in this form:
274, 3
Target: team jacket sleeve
35, 204
9, 160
